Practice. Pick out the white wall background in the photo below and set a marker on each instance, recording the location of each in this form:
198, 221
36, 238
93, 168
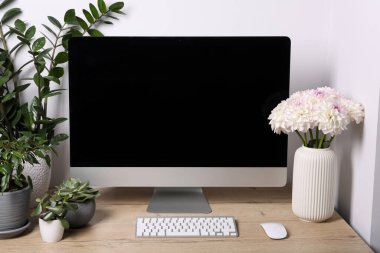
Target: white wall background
334, 43
354, 70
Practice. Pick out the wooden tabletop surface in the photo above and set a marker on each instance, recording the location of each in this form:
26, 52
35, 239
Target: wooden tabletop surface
113, 227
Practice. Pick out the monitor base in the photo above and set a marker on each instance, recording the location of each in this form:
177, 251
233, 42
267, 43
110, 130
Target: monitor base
178, 200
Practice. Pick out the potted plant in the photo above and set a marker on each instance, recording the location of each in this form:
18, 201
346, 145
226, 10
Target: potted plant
316, 116
83, 196
15, 186
27, 131
51, 210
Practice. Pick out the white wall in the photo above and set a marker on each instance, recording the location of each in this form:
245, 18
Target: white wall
355, 60
333, 43
375, 234
304, 22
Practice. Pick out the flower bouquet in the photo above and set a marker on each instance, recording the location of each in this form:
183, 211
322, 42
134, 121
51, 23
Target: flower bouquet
316, 115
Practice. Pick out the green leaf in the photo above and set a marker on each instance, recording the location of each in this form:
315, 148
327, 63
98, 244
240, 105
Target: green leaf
30, 33
47, 160
40, 65
13, 30
112, 17
5, 3
88, 16
49, 216
94, 11
50, 30
52, 94
38, 80
55, 22
38, 44
20, 25
23, 40
56, 72
37, 211
53, 78
20, 88
108, 22
61, 57
58, 138
65, 40
65, 223
95, 33
8, 97
82, 23
102, 6
120, 12
16, 119
75, 33
30, 183
11, 13
5, 77
42, 54
70, 17
116, 6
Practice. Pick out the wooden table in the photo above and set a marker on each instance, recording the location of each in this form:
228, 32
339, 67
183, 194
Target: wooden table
113, 227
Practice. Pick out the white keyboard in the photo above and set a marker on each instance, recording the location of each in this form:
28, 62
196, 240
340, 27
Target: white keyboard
192, 226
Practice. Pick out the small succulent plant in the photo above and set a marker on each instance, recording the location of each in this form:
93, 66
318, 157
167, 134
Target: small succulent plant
53, 207
74, 190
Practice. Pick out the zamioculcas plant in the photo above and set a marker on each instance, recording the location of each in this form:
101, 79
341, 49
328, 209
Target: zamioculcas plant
27, 131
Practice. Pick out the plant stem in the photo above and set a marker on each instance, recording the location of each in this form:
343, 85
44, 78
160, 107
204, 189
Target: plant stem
303, 140
321, 141
10, 60
331, 139
55, 46
10, 132
316, 137
311, 134
25, 65
96, 21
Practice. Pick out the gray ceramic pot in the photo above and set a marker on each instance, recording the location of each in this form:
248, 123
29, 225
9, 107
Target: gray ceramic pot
82, 216
14, 209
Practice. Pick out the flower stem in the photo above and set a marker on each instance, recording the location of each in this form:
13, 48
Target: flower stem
302, 139
316, 137
311, 134
321, 141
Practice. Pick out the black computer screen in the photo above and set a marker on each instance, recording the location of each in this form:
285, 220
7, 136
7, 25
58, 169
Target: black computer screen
176, 101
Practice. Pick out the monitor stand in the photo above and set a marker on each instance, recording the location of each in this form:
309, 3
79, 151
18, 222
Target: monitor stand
178, 200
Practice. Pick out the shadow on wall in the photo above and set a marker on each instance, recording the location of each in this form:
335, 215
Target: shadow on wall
344, 151
293, 144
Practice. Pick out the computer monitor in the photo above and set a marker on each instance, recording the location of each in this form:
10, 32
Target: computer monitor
177, 113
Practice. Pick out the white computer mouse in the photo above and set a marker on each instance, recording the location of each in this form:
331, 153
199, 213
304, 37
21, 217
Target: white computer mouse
274, 230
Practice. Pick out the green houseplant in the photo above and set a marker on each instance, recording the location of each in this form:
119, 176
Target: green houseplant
71, 205
51, 210
83, 196
27, 131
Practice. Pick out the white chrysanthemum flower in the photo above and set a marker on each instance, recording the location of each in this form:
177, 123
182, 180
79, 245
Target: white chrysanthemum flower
333, 118
277, 118
354, 109
322, 109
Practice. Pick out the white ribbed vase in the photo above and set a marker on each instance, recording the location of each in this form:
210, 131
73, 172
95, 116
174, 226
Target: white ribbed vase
314, 174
